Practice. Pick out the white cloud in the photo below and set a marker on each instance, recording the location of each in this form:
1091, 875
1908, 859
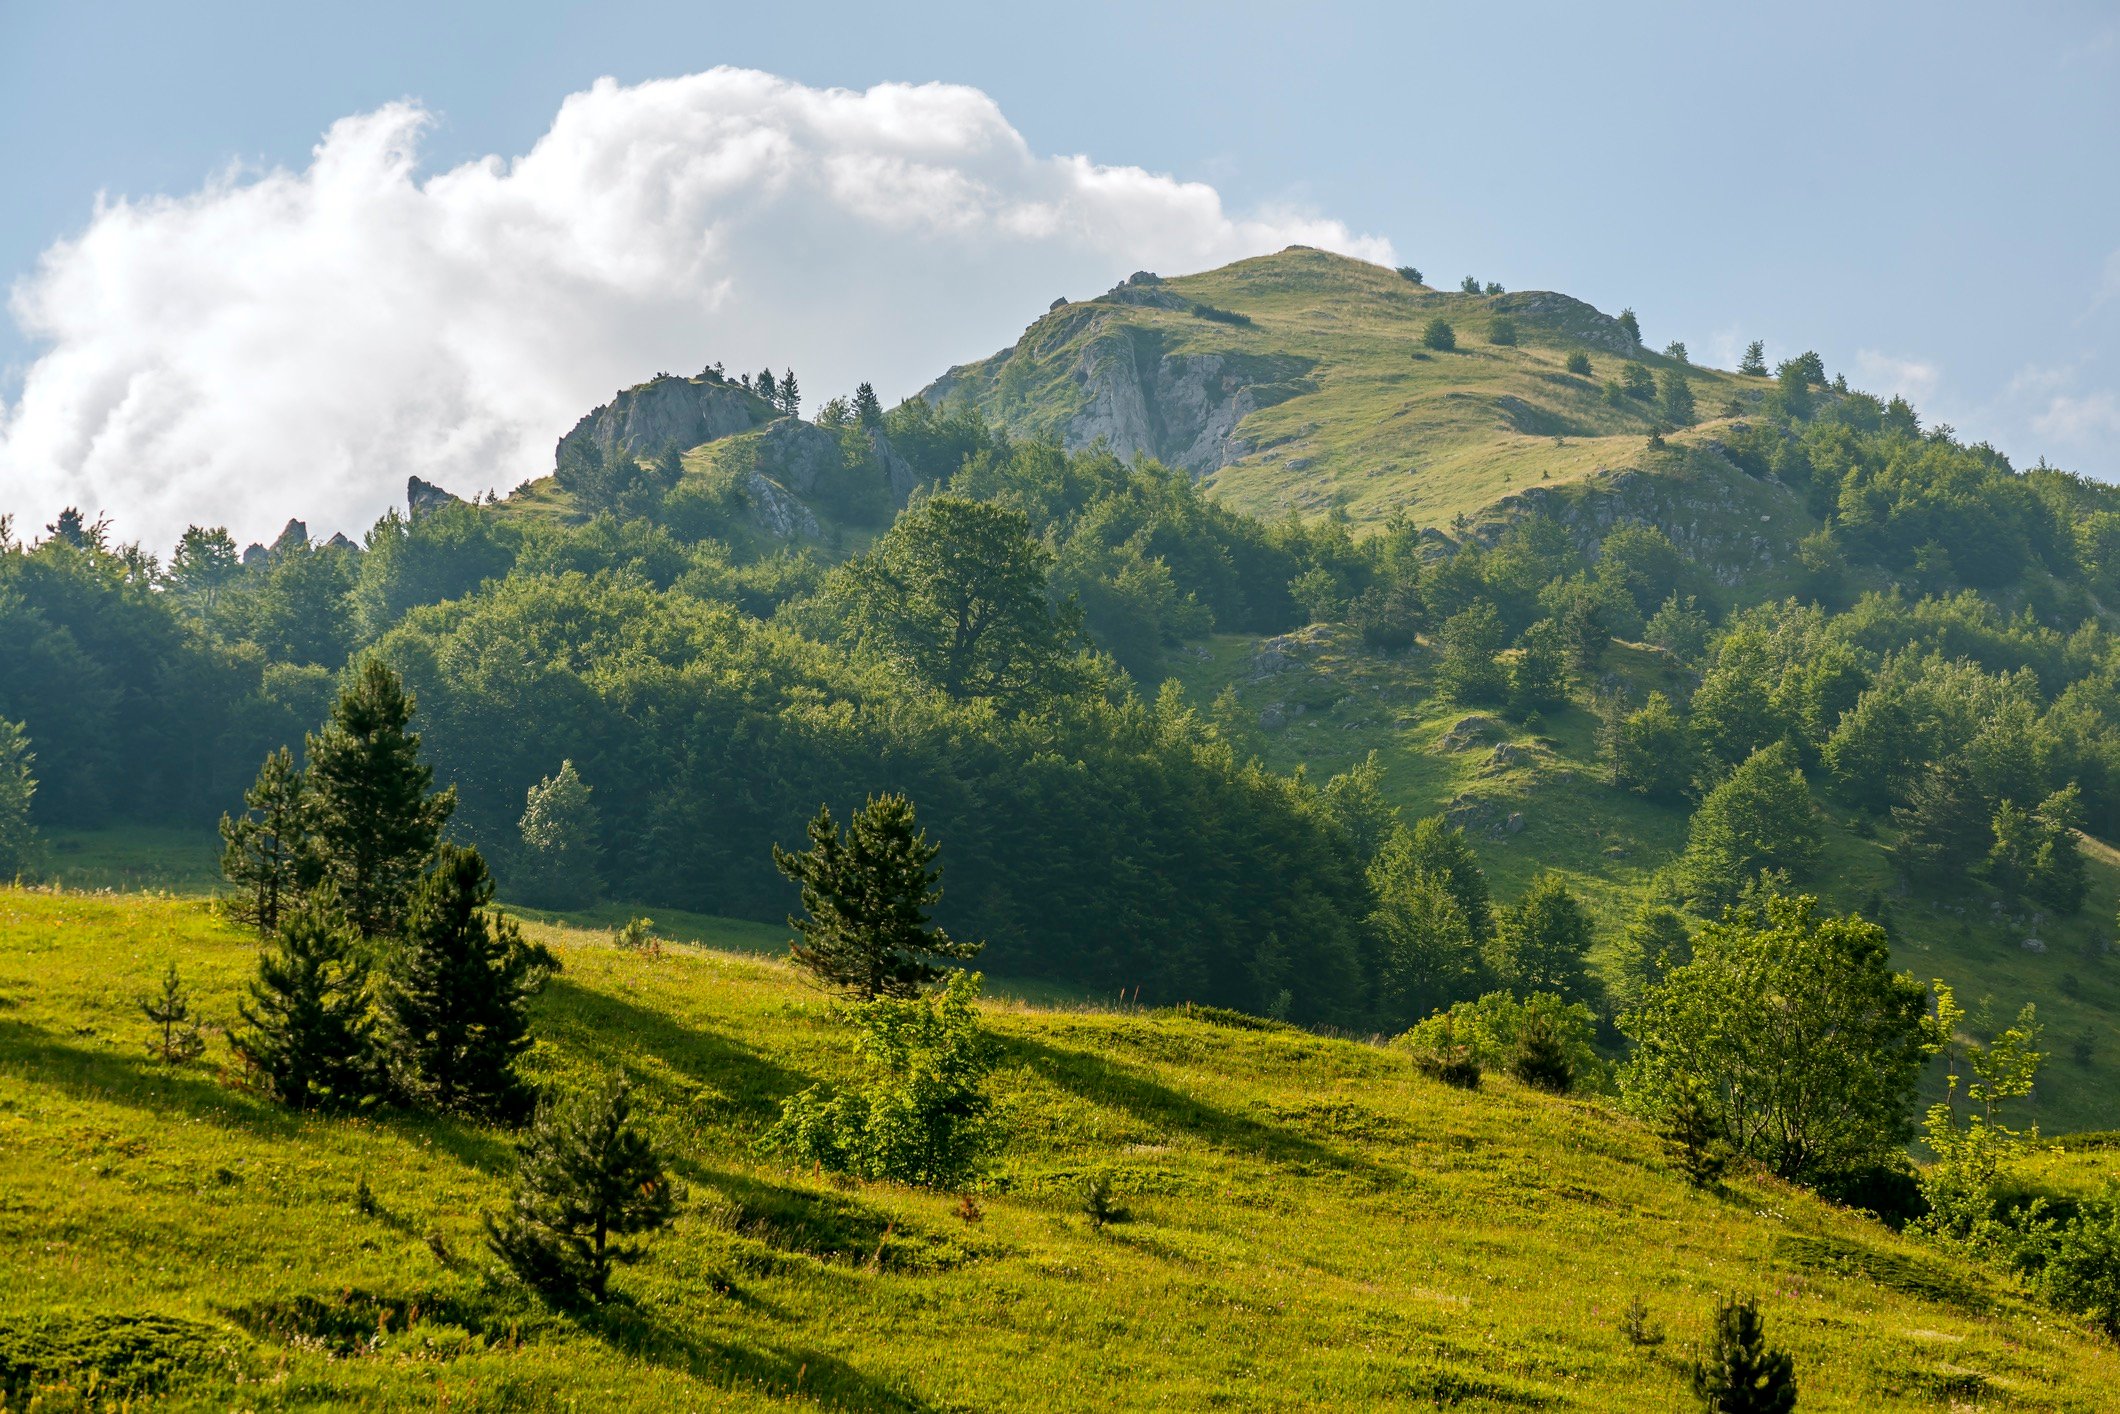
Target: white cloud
2079, 420
297, 343
1887, 376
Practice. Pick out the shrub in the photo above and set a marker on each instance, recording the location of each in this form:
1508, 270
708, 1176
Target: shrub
1100, 1201
923, 1114
1738, 1372
584, 1177
1579, 364
1637, 382
1439, 335
1538, 1056
637, 935
1411, 273
1502, 331
1441, 1052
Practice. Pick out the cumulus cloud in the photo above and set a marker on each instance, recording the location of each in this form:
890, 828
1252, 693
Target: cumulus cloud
1886, 376
288, 343
2079, 419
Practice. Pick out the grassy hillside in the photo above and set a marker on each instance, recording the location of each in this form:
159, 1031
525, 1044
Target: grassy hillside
1353, 412
1312, 1224
1316, 699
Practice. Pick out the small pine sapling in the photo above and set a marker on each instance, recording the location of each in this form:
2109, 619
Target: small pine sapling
179, 1041
1100, 1200
1738, 1372
1634, 1323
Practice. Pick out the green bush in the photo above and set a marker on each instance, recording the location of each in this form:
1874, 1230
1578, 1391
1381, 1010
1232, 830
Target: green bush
922, 1115
1502, 331
1439, 335
1579, 364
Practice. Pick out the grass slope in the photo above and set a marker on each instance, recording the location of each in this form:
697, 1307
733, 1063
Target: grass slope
1330, 703
1312, 1224
1359, 416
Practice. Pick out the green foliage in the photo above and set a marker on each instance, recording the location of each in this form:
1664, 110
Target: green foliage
455, 994
1100, 1199
1754, 362
559, 830
2034, 853
266, 854
177, 1040
1637, 382
1467, 669
1543, 943
1943, 828
1410, 273
18, 837
372, 818
1539, 1058
1631, 327
923, 1115
307, 1035
1502, 331
1538, 673
1674, 398
1650, 750
585, 1177
1738, 1372
1655, 943
1760, 818
866, 897
2079, 1262
1430, 954
1679, 628
1792, 1034
1543, 1040
1438, 335
1973, 1148
1445, 1049
1579, 364
954, 593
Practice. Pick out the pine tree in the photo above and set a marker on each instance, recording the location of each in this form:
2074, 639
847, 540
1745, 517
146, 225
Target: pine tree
455, 996
1631, 327
868, 410
1538, 1057
307, 1030
584, 1177
17, 788
179, 1040
790, 393
374, 823
766, 386
1739, 1373
559, 831
265, 853
1755, 360
1944, 830
867, 896
1674, 398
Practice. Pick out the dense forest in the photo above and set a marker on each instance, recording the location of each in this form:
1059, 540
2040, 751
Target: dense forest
994, 646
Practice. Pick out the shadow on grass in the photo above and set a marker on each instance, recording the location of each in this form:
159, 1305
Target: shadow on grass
599, 1024
1106, 1082
100, 1073
789, 1373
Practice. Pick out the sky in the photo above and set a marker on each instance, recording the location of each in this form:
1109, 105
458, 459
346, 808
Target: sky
268, 260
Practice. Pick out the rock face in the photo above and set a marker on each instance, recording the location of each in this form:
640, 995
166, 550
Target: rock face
293, 536
1127, 389
668, 412
425, 498
1567, 318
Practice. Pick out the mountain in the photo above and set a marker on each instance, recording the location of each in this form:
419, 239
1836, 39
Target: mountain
1301, 381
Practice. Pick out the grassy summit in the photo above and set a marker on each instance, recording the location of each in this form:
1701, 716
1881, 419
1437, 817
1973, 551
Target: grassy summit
1345, 407
1311, 1224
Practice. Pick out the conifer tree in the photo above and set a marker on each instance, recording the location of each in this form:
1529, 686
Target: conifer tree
584, 1177
455, 995
1755, 360
790, 393
179, 1040
374, 823
307, 1033
559, 830
868, 409
17, 788
1674, 398
766, 386
1944, 827
1543, 944
1738, 1372
1631, 327
265, 851
867, 897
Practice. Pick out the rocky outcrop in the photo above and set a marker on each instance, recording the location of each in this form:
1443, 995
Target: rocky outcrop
1182, 409
424, 498
666, 413
775, 510
338, 541
1566, 320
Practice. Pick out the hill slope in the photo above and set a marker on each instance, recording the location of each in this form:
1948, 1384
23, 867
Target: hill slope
1312, 1224
1300, 381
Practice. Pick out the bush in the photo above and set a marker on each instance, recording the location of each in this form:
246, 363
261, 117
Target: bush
1738, 1372
1538, 1057
1441, 1052
1502, 331
923, 1115
1410, 273
1439, 335
1579, 364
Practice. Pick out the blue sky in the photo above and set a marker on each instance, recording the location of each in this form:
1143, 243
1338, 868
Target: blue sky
1929, 195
